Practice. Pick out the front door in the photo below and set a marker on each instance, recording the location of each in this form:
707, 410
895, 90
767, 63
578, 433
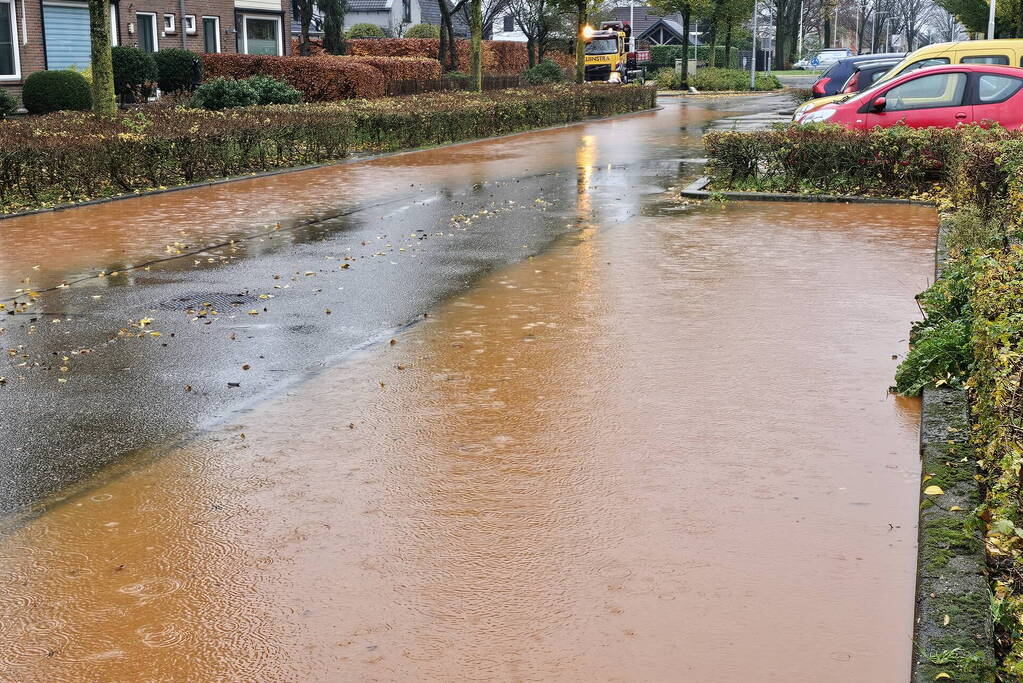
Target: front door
924, 101
147, 32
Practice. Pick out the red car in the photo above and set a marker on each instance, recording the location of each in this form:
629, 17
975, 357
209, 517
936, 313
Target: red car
942, 96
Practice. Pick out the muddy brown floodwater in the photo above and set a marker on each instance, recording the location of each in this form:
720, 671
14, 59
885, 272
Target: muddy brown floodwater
662, 450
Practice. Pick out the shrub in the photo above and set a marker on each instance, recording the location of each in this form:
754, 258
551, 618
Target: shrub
543, 73
225, 93
940, 355
319, 79
62, 90
730, 79
666, 79
366, 31
765, 82
8, 104
271, 91
178, 69
423, 31
134, 70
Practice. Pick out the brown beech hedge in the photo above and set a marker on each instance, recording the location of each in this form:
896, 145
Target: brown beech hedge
500, 57
76, 156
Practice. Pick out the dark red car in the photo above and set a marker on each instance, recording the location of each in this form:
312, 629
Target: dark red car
942, 96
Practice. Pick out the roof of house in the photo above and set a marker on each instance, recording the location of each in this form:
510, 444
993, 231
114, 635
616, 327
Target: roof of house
430, 14
643, 17
369, 5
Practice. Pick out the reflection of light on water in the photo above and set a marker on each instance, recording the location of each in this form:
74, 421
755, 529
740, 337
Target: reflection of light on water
585, 156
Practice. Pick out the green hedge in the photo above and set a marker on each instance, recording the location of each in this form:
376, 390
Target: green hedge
730, 79
104, 156
665, 55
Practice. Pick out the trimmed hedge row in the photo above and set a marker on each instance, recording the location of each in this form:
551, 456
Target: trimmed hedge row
319, 79
500, 57
829, 159
68, 157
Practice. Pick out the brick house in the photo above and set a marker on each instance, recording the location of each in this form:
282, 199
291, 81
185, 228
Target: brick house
54, 34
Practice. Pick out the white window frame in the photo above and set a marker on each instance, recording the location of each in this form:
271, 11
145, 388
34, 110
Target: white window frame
217, 21
170, 27
189, 24
15, 47
149, 16
264, 17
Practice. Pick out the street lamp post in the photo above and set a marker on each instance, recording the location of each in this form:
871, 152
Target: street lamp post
753, 60
991, 21
632, 25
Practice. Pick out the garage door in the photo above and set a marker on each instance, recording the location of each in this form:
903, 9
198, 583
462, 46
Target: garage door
67, 36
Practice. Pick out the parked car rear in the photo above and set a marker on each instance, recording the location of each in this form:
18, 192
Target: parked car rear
833, 80
865, 74
939, 96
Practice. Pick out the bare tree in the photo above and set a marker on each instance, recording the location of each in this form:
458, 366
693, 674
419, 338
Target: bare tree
945, 27
537, 20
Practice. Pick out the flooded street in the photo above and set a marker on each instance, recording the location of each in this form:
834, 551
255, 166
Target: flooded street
654, 446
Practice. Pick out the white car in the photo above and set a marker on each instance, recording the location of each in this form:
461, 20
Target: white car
824, 58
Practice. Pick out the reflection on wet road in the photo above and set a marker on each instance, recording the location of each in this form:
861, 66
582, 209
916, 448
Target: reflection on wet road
661, 449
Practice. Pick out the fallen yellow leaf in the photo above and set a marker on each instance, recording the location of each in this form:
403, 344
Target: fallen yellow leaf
933, 491
942, 675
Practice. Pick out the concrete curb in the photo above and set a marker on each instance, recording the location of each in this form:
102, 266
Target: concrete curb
355, 158
695, 190
953, 630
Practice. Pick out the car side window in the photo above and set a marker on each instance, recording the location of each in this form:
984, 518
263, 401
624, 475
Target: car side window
933, 61
985, 59
877, 74
992, 89
927, 92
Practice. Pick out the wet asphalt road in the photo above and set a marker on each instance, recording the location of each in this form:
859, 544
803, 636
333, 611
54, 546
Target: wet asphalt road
87, 382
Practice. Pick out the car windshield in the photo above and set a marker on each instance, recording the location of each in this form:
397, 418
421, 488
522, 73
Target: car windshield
602, 46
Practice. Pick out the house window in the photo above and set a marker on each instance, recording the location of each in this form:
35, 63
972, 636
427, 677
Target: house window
66, 34
261, 35
509, 23
10, 69
211, 34
169, 24
406, 11
190, 24
147, 31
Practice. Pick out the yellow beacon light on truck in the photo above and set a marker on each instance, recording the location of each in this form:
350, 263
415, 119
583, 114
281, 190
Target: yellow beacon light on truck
587, 31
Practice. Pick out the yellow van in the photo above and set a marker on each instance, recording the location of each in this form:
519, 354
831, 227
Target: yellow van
1006, 52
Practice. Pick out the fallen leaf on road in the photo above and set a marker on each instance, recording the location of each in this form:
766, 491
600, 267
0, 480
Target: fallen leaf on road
933, 491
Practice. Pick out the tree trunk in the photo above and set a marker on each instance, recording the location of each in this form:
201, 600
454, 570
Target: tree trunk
530, 51
687, 15
103, 101
442, 46
476, 49
712, 61
826, 33
728, 46
580, 44
305, 17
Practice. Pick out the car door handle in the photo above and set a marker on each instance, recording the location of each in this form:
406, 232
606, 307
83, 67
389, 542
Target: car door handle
960, 115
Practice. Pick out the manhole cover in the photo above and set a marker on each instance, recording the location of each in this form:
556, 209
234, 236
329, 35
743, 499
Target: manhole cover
216, 300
